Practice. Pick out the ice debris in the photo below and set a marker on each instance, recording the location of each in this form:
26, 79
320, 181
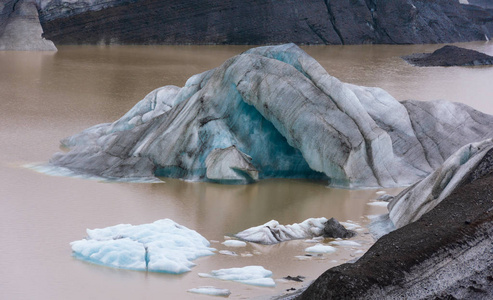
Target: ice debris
162, 246
319, 248
211, 291
228, 252
345, 243
234, 243
253, 275
378, 203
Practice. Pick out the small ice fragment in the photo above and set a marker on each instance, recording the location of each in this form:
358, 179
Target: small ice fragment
350, 225
227, 237
303, 257
381, 193
312, 241
246, 255
234, 243
378, 203
227, 252
346, 243
253, 275
210, 290
319, 248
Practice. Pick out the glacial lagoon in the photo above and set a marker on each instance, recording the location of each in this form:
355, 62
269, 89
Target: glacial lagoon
45, 97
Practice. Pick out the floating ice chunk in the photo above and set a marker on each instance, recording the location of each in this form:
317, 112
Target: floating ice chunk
272, 232
162, 246
234, 243
380, 193
210, 290
253, 275
345, 243
228, 252
314, 241
379, 203
319, 248
246, 254
303, 257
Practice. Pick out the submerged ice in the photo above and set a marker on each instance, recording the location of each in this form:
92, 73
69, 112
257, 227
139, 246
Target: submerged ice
162, 246
275, 112
253, 275
211, 291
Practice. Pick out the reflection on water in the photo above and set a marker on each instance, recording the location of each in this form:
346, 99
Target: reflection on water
47, 96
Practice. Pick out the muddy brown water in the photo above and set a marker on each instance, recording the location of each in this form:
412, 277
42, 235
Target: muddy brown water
47, 96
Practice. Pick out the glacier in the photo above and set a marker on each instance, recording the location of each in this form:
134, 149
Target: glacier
253, 275
274, 111
163, 246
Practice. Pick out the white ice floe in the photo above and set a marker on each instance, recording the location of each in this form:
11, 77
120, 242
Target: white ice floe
211, 291
319, 248
253, 275
381, 193
379, 203
272, 232
162, 246
234, 243
345, 243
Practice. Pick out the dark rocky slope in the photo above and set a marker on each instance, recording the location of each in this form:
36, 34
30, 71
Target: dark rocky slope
257, 22
447, 254
449, 56
482, 3
482, 16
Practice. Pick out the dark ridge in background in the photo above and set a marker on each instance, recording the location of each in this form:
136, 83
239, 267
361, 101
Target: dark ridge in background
263, 22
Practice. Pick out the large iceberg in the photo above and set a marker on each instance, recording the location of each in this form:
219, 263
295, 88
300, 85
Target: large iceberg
162, 246
275, 112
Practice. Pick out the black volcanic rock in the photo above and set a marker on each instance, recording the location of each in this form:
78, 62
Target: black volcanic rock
447, 254
334, 229
449, 56
257, 22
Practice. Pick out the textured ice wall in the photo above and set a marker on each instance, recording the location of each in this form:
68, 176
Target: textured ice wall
462, 167
277, 105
